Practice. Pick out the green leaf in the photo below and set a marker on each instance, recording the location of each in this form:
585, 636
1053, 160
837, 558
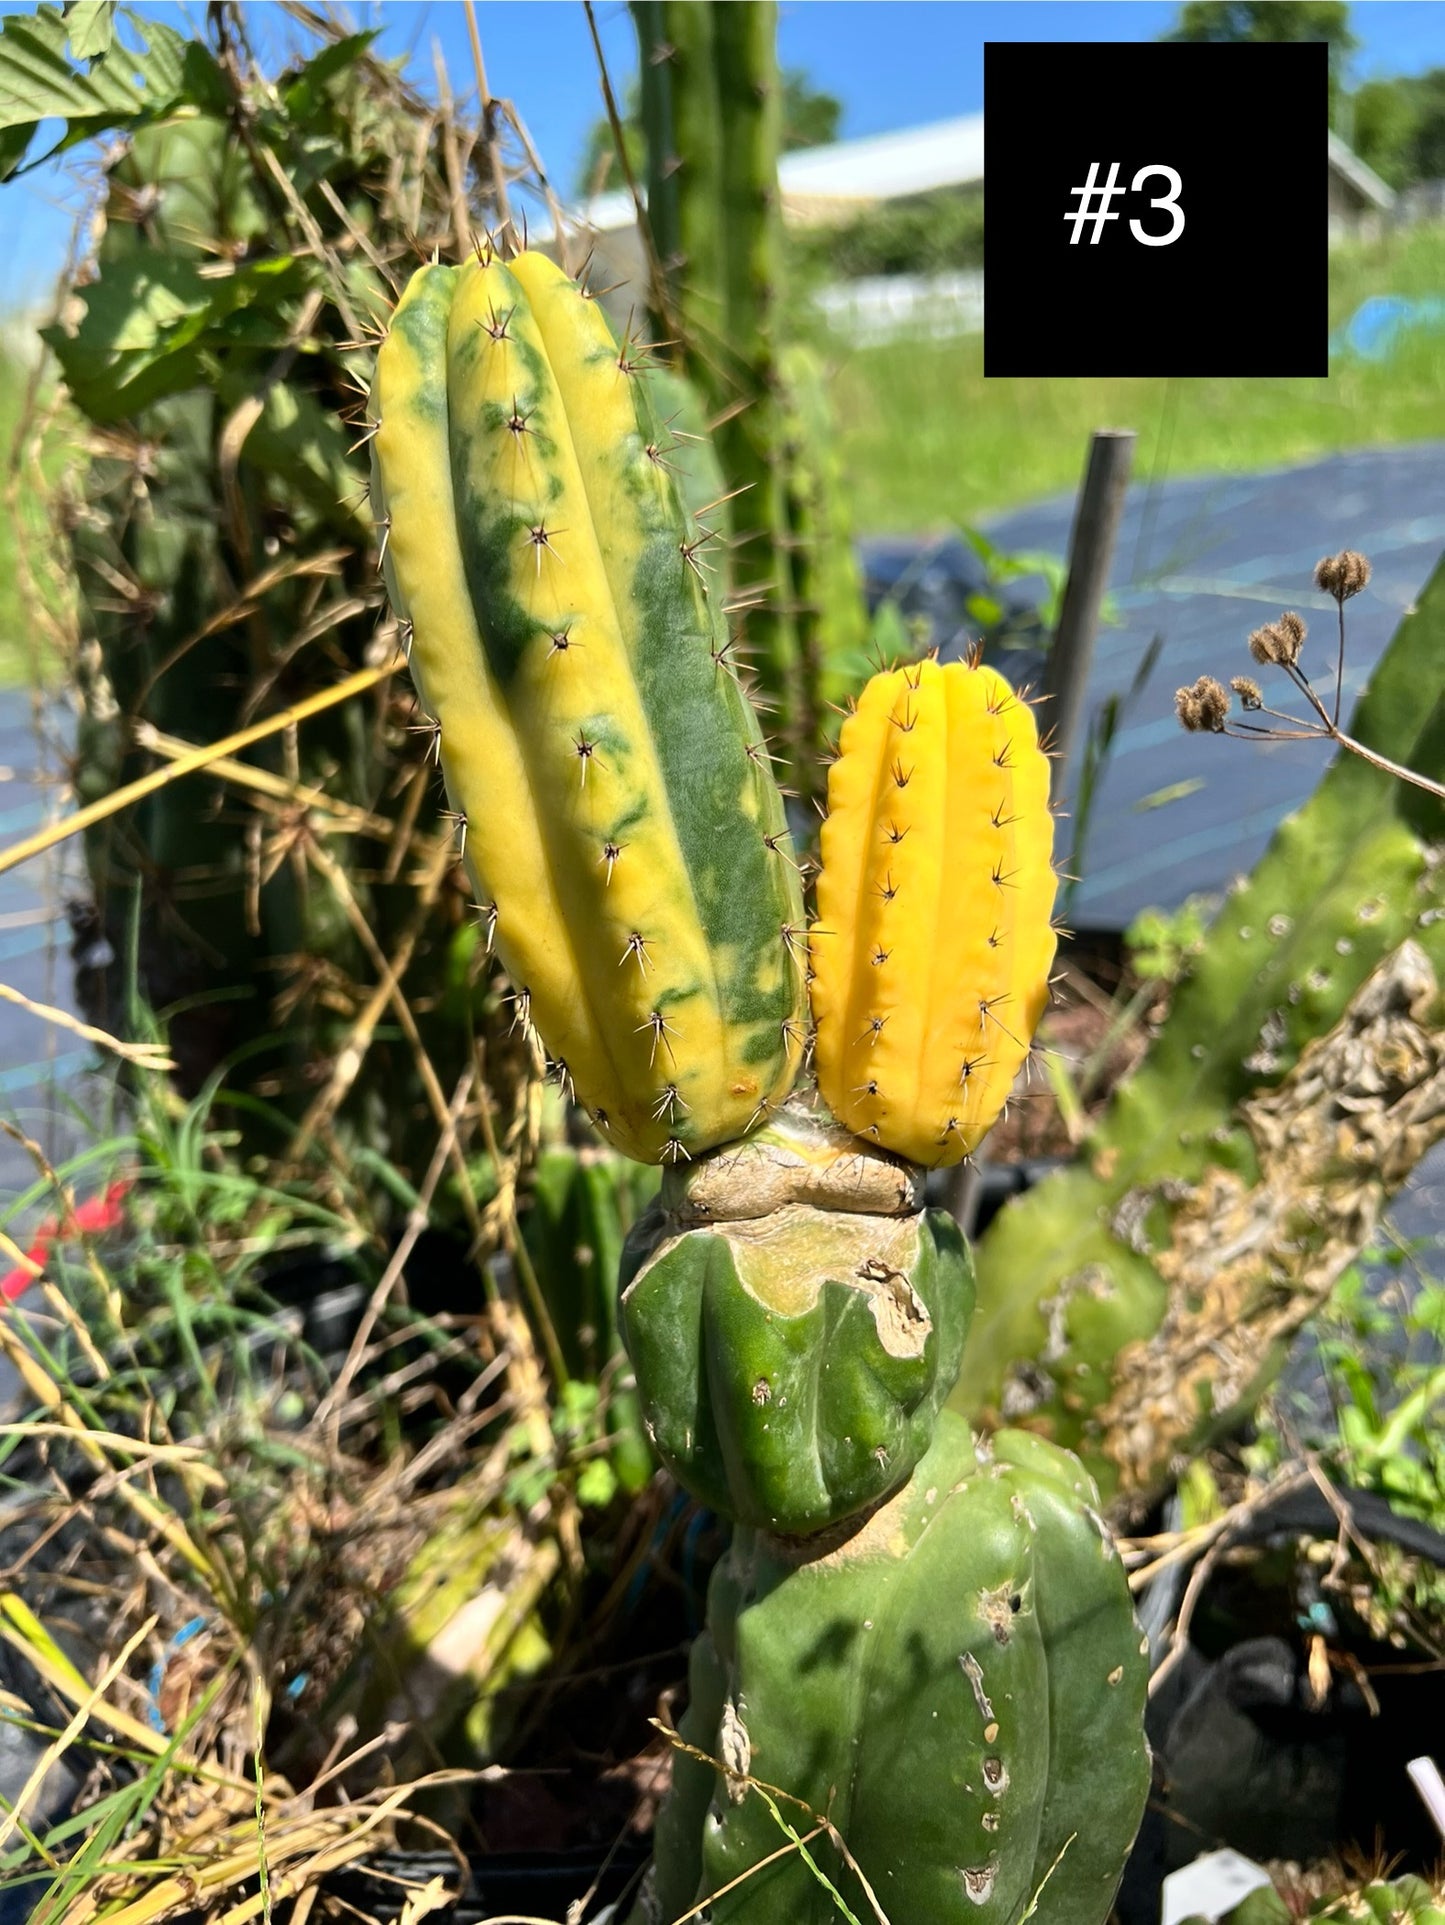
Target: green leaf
150, 314
597, 1485
91, 23
303, 92
121, 86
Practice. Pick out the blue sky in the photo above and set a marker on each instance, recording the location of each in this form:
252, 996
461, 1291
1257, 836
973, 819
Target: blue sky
893, 63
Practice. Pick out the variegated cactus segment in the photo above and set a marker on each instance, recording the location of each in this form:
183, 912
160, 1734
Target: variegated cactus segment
623, 827
933, 941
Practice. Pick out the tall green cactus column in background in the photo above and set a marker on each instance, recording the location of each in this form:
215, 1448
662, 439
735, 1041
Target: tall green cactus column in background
921, 1676
712, 113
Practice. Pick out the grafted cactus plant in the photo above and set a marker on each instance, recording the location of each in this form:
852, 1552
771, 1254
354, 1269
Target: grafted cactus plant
921, 1657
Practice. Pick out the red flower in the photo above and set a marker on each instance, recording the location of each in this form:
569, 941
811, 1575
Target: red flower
97, 1213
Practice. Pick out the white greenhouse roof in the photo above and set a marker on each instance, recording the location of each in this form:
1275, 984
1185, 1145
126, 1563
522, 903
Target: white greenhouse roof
946, 153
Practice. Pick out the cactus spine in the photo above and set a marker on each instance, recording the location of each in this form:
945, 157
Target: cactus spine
933, 943
624, 829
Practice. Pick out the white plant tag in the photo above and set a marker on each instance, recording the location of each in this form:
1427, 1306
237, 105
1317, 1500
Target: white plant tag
1210, 1886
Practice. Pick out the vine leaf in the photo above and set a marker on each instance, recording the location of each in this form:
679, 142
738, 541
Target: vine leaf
122, 85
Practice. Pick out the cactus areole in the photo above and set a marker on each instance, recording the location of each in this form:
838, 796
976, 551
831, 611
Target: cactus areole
622, 824
925, 1644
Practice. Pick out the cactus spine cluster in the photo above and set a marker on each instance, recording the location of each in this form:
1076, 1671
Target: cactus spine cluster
622, 824
928, 1646
933, 942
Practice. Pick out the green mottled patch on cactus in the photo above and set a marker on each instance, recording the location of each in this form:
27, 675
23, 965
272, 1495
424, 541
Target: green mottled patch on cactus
930, 1684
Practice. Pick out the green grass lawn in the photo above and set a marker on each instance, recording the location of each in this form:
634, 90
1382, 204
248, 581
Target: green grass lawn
926, 441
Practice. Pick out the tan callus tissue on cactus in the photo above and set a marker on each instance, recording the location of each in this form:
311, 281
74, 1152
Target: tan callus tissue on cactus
933, 941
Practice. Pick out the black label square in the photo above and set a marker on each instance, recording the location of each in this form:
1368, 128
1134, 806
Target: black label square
1225, 273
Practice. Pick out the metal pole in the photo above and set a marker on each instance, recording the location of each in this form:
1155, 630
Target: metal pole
1091, 553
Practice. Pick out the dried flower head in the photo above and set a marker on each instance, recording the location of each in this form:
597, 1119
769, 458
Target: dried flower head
1249, 692
1204, 706
1292, 627
1342, 575
1267, 644
1278, 642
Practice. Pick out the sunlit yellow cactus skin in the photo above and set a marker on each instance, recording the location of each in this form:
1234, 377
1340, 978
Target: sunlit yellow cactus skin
623, 828
933, 941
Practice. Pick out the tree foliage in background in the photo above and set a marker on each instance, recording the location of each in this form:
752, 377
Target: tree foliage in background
810, 119
1396, 126
1399, 127
1274, 23
924, 234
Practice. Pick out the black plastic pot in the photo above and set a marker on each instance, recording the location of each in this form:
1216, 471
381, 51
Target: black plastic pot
1244, 1756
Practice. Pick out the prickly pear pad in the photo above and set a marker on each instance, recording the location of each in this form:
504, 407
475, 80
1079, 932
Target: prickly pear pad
621, 822
959, 1688
933, 941
791, 1356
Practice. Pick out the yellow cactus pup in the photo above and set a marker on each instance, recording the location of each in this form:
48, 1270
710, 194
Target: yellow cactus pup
934, 940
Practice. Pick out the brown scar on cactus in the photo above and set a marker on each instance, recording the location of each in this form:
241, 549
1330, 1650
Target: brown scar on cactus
998, 1608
